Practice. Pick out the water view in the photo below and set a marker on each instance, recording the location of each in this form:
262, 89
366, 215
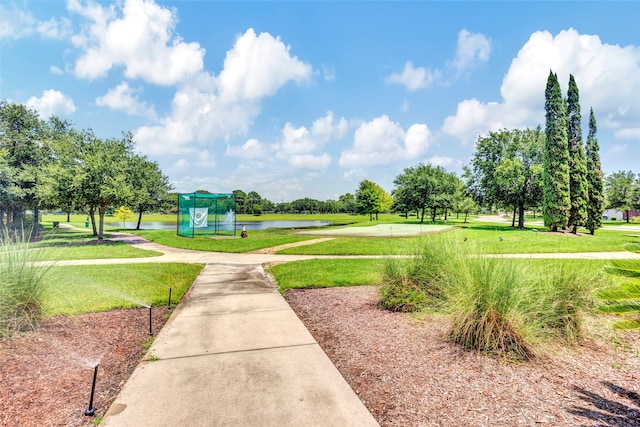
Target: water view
253, 225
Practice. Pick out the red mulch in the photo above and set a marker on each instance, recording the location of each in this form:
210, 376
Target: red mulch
408, 373
46, 375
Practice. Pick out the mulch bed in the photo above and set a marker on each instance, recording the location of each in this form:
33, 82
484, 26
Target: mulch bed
408, 373
46, 375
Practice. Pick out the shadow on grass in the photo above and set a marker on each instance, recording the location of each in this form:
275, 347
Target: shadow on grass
608, 412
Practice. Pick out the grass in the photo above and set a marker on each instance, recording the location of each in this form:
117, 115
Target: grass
22, 285
258, 239
486, 237
102, 251
86, 289
326, 273
623, 298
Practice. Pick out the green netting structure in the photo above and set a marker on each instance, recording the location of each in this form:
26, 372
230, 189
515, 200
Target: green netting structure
206, 214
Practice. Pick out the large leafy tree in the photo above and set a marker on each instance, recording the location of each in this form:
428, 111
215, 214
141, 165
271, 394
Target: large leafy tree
556, 199
425, 188
240, 197
595, 184
621, 188
149, 186
103, 175
506, 170
577, 160
372, 199
25, 153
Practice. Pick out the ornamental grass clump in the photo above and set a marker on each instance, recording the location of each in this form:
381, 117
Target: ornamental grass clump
502, 306
485, 302
414, 283
21, 284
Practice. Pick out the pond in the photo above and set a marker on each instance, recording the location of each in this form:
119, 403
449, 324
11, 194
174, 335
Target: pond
252, 225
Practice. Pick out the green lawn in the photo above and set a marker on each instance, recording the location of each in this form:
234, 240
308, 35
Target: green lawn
258, 239
326, 273
87, 289
492, 238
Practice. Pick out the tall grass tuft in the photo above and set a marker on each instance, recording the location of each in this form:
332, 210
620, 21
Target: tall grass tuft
484, 300
496, 305
21, 284
415, 283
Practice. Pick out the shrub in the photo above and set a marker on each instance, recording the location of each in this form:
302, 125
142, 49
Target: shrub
484, 299
21, 284
497, 305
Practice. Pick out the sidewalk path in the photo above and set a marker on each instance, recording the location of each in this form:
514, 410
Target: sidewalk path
233, 353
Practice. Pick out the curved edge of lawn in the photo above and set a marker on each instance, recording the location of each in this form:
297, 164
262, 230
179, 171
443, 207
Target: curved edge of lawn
258, 239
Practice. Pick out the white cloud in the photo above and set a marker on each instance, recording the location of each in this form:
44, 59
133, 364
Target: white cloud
56, 70
209, 108
414, 78
381, 141
252, 149
302, 140
180, 165
472, 49
258, 66
124, 98
310, 161
328, 73
16, 23
628, 133
354, 173
607, 76
299, 145
440, 161
618, 149
205, 159
139, 35
52, 102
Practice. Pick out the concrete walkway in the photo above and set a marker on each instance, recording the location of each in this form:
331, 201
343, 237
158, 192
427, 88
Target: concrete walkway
233, 353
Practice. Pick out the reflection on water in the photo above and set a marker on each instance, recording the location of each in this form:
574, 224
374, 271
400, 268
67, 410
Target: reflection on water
254, 225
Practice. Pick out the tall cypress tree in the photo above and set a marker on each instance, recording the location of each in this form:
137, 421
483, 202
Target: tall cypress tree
595, 182
556, 200
577, 160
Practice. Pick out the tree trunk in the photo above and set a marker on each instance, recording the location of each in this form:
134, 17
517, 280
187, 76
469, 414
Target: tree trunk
92, 216
521, 216
627, 216
68, 216
139, 219
433, 214
101, 212
513, 219
422, 216
465, 217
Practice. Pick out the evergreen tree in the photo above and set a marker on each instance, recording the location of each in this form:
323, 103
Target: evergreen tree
577, 161
595, 185
556, 200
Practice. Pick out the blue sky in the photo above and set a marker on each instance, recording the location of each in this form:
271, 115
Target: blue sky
305, 99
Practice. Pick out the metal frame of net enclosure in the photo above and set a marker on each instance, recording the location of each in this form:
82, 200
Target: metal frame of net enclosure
206, 214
